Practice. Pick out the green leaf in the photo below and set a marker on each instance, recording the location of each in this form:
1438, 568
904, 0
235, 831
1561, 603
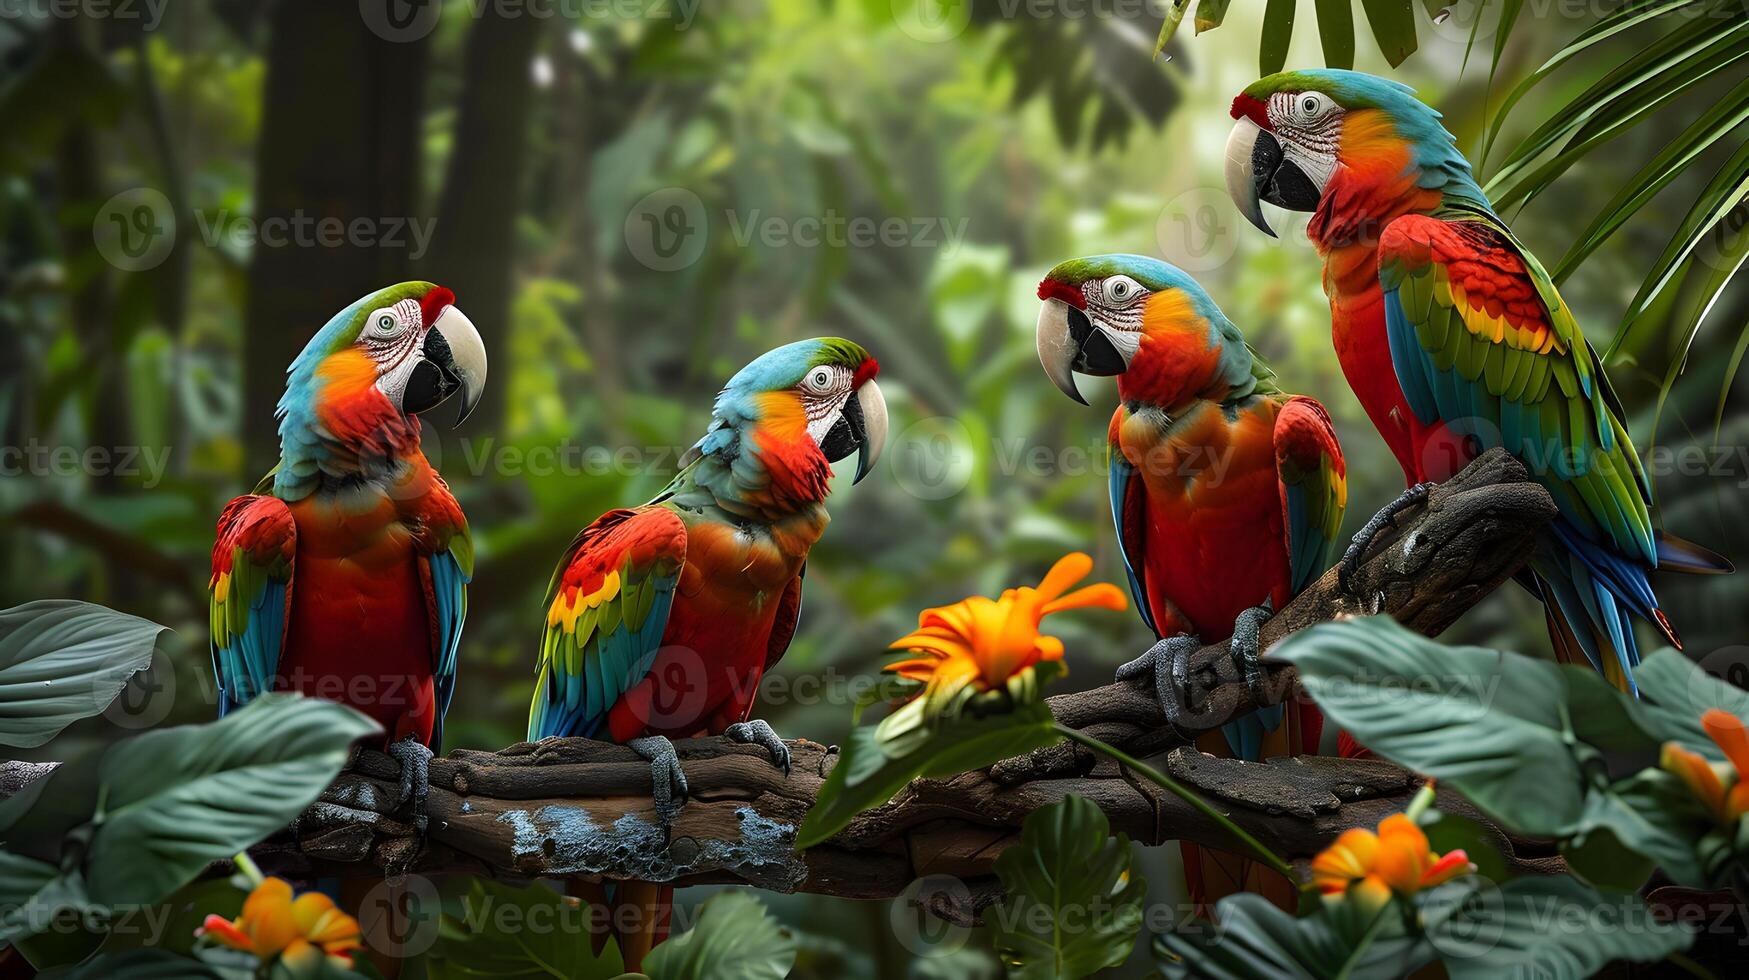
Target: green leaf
733, 939
498, 936
1487, 723
1393, 26
61, 661
136, 964
1550, 926
1210, 13
871, 769
1072, 907
1447, 832
1676, 693
1169, 26
1257, 940
1335, 32
1600, 858
1278, 32
31, 891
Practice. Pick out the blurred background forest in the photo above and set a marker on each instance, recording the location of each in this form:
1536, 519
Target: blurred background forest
631, 198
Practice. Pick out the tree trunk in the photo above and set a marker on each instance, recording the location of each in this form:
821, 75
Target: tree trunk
341, 135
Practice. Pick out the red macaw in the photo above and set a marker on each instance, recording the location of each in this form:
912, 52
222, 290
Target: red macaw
1228, 492
1455, 340
344, 575
661, 619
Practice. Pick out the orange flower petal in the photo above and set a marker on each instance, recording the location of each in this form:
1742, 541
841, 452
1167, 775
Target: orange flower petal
1370, 893
1693, 769
1102, 595
267, 916
1069, 569
1455, 864
1732, 735
226, 932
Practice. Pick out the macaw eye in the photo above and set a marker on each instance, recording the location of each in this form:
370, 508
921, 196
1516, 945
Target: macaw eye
1312, 107
820, 380
1121, 290
384, 324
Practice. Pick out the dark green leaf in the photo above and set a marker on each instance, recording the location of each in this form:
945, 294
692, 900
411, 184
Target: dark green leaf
733, 939
1278, 32
1601, 859
1487, 723
136, 964
1393, 26
1210, 13
1072, 906
526, 933
870, 771
61, 661
1169, 26
1336, 32
1676, 693
1551, 926
1717, 202
31, 891
1257, 940
1447, 832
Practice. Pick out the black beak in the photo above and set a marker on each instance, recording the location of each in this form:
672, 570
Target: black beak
452, 361
861, 425
1258, 170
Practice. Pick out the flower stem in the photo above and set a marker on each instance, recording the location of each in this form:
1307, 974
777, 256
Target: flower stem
1420, 802
247, 865
1170, 785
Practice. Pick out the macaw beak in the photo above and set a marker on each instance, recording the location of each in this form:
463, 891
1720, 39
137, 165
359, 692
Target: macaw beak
861, 425
1260, 168
452, 360
1069, 342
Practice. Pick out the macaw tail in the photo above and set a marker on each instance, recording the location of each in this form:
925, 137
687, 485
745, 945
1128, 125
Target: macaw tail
1591, 595
636, 914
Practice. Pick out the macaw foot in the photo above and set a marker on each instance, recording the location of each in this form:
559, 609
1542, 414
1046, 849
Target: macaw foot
1168, 662
415, 760
758, 732
667, 781
1245, 646
1362, 539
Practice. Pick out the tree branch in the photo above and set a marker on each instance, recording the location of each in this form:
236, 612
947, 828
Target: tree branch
573, 807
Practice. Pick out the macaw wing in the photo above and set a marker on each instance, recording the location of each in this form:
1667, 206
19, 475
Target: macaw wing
1129, 512
249, 596
1314, 487
607, 608
1481, 340
788, 618
449, 567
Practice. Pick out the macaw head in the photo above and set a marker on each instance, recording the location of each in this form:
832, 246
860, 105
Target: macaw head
1134, 315
812, 396
408, 343
1303, 138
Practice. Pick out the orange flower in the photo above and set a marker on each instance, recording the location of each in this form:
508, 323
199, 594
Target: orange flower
298, 931
1707, 781
983, 644
1370, 867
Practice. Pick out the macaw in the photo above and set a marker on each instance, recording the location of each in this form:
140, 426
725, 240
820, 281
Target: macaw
1227, 491
661, 619
1455, 340
344, 574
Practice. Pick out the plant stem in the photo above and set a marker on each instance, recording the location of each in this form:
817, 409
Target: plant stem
1423, 799
247, 865
1165, 782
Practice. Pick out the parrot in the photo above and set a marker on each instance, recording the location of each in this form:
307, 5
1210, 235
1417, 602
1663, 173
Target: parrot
1227, 491
660, 619
344, 574
1455, 340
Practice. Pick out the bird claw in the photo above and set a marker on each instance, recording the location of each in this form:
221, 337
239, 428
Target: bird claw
758, 732
1167, 661
415, 760
1363, 538
1244, 647
667, 781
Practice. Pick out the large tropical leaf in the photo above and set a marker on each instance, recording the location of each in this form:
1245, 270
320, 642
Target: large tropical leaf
1549, 926
1392, 23
735, 938
61, 661
1257, 940
1073, 907
133, 822
495, 938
